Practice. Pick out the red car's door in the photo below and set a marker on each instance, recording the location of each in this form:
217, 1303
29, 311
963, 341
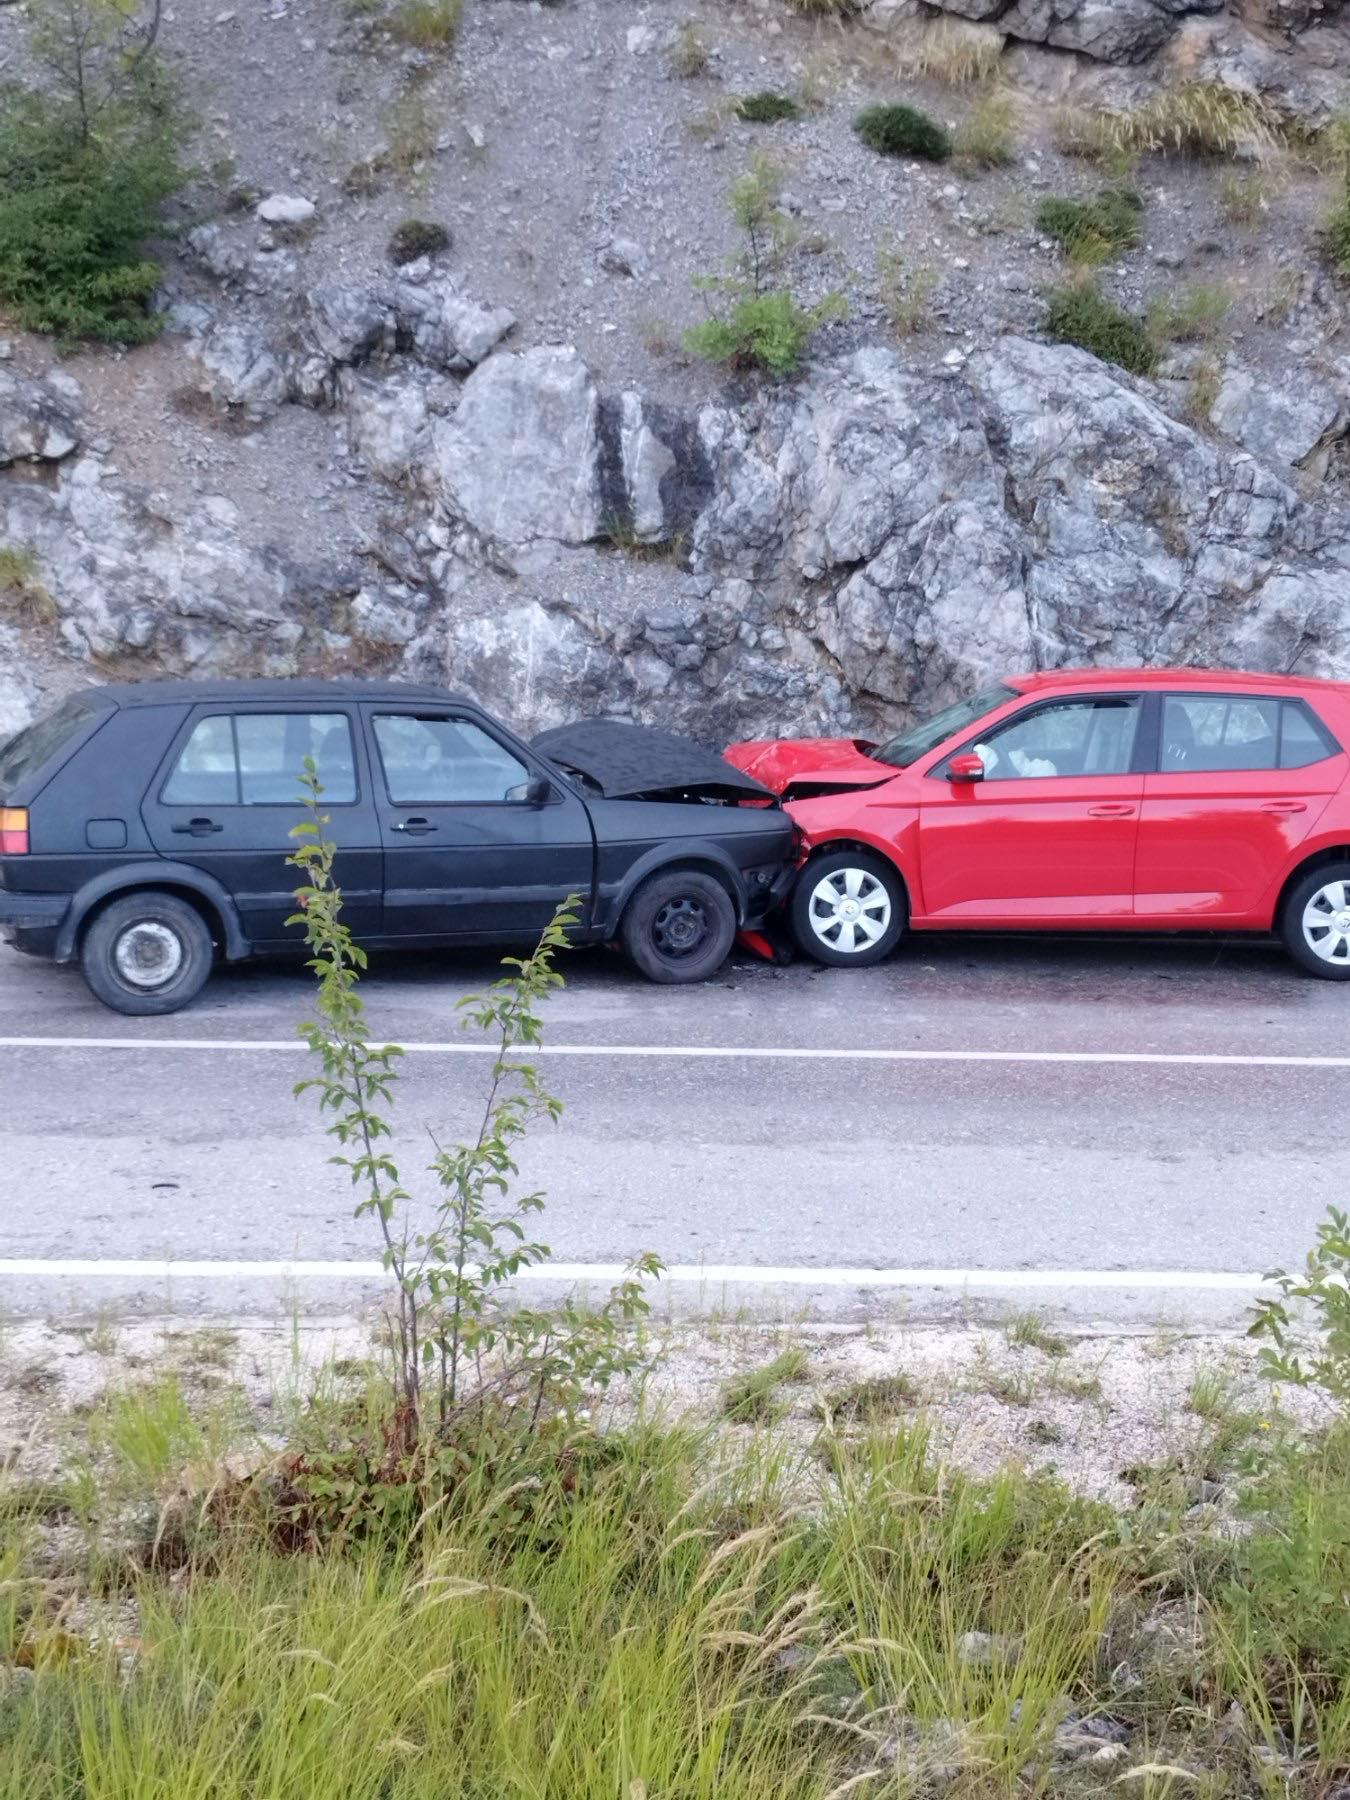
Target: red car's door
1048, 836
1241, 780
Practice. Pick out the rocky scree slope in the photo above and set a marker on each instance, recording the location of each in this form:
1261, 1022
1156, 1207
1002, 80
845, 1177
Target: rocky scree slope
488, 473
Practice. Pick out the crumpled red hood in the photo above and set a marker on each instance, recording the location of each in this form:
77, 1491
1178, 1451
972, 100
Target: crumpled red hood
783, 763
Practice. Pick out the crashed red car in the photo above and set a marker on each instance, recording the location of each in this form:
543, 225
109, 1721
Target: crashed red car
1106, 799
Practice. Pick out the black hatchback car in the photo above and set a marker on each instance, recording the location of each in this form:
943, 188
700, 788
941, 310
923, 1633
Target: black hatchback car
144, 829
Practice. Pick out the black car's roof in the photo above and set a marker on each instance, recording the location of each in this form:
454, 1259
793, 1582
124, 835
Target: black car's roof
159, 693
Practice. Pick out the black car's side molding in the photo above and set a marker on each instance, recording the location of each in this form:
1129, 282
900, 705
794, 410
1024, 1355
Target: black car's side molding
152, 874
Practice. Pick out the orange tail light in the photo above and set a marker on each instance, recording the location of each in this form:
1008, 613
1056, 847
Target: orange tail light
13, 831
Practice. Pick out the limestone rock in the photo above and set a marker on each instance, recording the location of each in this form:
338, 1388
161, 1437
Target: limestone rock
239, 371
37, 421
1281, 423
519, 461
388, 423
443, 326
285, 209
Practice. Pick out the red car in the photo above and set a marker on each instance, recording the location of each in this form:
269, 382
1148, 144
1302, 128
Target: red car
1152, 800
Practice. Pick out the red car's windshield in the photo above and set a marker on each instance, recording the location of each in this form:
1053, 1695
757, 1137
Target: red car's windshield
900, 752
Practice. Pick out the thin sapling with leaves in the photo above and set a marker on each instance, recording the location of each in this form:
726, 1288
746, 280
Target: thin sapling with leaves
452, 1255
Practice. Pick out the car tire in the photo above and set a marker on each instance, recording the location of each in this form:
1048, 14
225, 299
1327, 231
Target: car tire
146, 953
848, 909
679, 926
1321, 949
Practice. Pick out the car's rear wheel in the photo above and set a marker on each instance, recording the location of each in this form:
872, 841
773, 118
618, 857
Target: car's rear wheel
848, 909
679, 926
146, 953
1315, 922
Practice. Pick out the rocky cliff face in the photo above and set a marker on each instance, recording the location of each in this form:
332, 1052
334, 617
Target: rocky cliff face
488, 472
825, 556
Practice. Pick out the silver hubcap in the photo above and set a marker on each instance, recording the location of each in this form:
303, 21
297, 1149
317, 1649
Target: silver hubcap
148, 954
1326, 923
850, 910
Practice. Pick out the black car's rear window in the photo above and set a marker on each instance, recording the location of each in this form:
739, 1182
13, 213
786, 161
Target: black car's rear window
39, 742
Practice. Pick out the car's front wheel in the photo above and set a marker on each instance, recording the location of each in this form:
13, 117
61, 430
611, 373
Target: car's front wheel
1315, 921
679, 926
146, 953
848, 909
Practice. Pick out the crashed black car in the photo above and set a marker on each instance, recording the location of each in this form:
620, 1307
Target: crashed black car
144, 830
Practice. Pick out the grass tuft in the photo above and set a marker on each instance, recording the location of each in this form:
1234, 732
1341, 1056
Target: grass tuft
1195, 118
688, 55
1081, 314
1031, 1331
1193, 314
906, 293
1092, 232
23, 595
987, 136
427, 24
753, 1398
956, 52
868, 1402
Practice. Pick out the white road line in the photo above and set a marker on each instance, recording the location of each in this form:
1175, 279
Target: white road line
697, 1052
711, 1275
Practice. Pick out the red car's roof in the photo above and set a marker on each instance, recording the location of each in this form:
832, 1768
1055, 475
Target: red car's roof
1205, 680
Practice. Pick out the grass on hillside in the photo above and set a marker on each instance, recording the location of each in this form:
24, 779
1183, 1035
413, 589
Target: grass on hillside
662, 1612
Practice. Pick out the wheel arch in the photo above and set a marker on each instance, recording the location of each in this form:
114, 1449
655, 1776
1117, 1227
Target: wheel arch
703, 857
831, 846
202, 892
1316, 859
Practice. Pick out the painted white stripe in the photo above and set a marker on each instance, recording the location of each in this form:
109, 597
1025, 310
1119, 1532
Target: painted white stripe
704, 1275
697, 1052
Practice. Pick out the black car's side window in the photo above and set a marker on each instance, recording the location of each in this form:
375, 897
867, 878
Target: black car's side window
257, 759
438, 761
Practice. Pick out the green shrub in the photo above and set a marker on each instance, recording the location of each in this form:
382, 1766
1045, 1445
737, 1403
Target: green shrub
78, 200
1082, 315
762, 331
768, 107
417, 237
903, 131
1093, 231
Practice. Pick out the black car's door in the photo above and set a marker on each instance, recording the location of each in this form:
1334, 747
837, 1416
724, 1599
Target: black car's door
228, 792
467, 852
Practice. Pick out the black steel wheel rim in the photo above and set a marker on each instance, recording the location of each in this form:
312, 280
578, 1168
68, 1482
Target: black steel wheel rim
680, 928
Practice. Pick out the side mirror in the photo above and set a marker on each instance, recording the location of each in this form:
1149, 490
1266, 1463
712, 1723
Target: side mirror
966, 768
538, 792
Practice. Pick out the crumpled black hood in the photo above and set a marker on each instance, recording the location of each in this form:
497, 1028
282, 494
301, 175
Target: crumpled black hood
626, 762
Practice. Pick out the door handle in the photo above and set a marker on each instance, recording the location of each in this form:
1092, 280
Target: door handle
414, 827
1112, 810
198, 828
1285, 806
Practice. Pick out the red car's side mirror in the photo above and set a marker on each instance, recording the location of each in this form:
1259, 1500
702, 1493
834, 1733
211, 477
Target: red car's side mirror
966, 768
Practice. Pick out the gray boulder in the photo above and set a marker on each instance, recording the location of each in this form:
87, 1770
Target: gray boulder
238, 369
1283, 424
438, 322
520, 459
37, 420
389, 422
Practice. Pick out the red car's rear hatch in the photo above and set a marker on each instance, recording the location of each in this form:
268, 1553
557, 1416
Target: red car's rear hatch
803, 768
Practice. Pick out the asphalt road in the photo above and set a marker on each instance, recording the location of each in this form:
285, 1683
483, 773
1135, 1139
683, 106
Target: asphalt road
795, 1138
